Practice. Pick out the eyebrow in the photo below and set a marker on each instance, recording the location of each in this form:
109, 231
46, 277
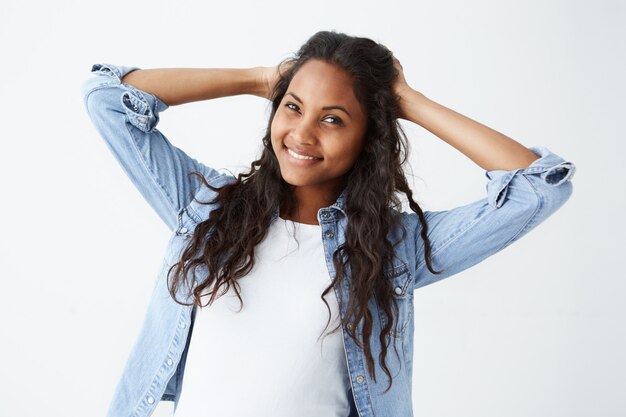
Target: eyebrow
324, 108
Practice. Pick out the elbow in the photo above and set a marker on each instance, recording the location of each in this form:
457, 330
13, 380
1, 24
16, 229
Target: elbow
556, 186
549, 200
91, 85
557, 196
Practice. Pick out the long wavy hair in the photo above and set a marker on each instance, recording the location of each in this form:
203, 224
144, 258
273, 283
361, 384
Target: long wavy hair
225, 242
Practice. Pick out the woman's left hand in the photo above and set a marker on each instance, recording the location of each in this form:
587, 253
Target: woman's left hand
401, 88
400, 83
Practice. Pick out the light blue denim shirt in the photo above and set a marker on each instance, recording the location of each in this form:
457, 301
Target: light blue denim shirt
126, 118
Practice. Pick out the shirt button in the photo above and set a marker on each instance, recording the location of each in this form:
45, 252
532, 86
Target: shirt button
349, 325
330, 234
181, 324
398, 290
360, 379
183, 230
325, 215
170, 362
150, 399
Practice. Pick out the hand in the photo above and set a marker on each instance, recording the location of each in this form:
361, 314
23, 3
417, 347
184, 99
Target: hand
401, 88
400, 83
269, 76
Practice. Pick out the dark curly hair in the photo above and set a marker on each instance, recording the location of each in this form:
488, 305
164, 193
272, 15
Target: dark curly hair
225, 241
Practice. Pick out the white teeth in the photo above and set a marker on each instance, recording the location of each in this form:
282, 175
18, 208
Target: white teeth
295, 155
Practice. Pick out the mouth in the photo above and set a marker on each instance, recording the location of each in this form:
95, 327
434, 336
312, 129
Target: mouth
299, 158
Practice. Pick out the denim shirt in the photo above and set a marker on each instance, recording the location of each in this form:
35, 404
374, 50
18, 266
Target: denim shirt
516, 201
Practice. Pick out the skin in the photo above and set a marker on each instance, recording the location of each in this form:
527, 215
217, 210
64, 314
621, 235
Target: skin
333, 135
488, 148
319, 84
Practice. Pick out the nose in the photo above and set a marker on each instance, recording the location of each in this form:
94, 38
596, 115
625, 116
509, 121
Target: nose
303, 131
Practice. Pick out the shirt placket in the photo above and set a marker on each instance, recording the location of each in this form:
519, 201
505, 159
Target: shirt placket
356, 370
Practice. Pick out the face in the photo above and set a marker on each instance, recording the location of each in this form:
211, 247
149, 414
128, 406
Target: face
318, 129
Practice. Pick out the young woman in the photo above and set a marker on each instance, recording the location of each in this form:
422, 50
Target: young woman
297, 277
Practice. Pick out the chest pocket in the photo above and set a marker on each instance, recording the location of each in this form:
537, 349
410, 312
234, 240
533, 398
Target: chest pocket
402, 290
180, 238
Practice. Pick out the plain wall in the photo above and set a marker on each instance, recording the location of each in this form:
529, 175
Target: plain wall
536, 330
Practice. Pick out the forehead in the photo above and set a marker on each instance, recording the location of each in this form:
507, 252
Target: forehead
318, 82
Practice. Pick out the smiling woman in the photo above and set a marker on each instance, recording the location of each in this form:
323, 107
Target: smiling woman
311, 236
316, 130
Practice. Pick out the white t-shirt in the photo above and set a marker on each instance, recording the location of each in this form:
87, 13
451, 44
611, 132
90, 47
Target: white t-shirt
266, 360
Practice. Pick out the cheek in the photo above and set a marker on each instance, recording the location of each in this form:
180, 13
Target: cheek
277, 127
348, 152
274, 132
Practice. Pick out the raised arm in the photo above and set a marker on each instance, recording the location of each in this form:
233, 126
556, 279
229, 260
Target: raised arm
526, 186
124, 103
176, 86
487, 147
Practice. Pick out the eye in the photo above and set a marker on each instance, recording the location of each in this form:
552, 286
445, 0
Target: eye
291, 104
337, 120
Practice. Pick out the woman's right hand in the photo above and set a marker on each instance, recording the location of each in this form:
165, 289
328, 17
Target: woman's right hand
269, 76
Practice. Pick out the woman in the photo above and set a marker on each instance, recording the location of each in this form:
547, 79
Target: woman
327, 179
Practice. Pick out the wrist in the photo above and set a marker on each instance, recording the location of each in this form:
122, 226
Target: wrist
257, 84
411, 104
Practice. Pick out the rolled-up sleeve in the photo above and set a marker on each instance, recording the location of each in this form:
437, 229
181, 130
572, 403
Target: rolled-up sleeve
126, 118
517, 201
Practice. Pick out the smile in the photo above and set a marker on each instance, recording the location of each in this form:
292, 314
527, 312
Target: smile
299, 156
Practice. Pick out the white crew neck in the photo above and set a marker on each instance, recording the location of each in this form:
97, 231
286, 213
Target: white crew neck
304, 225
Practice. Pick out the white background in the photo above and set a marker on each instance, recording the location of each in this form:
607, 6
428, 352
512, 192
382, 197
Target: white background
536, 330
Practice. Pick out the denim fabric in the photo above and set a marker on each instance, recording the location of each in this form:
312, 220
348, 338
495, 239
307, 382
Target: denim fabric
126, 118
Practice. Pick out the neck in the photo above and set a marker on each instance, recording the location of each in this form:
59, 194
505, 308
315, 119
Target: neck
308, 203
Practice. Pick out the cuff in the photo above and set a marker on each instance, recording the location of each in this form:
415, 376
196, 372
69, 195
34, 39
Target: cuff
117, 71
141, 107
550, 167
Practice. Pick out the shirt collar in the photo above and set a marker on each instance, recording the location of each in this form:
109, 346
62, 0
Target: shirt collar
325, 212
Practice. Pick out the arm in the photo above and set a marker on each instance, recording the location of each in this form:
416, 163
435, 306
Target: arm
126, 117
176, 86
124, 104
516, 202
488, 148
525, 187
